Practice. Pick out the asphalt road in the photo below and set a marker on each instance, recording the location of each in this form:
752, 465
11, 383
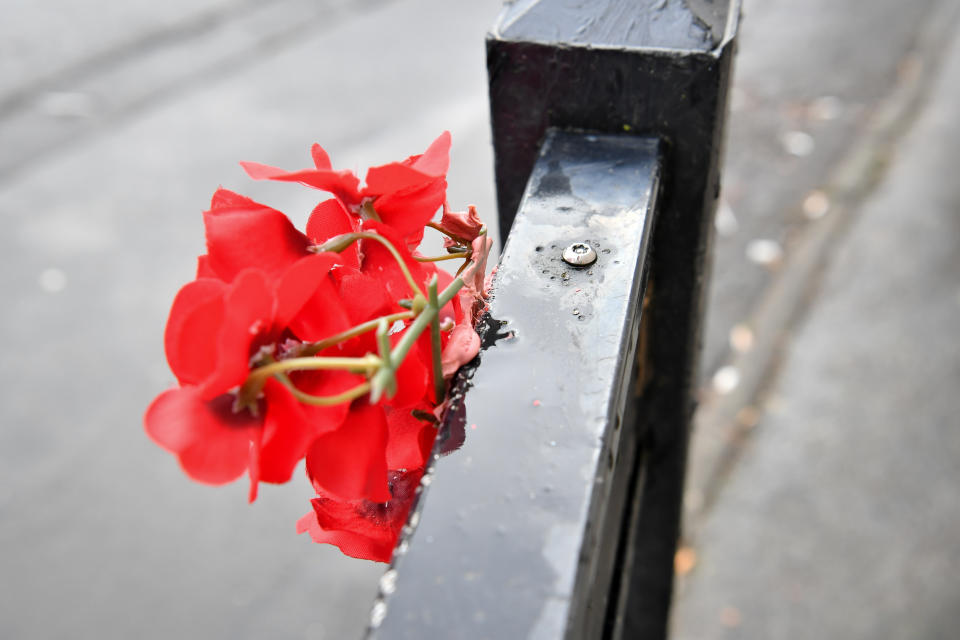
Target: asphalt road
113, 139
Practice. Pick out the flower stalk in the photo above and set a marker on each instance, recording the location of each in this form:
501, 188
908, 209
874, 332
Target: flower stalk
254, 312
362, 328
341, 242
380, 370
325, 401
439, 388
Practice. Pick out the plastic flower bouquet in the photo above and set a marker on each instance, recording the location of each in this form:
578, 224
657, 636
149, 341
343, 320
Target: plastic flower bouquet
334, 345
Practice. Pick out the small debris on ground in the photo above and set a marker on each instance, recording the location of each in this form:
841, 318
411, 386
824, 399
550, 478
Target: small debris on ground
764, 252
684, 560
726, 379
816, 205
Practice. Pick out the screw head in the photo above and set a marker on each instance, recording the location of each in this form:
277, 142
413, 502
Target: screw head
579, 254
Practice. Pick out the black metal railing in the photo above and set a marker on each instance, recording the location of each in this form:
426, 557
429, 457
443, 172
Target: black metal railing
558, 514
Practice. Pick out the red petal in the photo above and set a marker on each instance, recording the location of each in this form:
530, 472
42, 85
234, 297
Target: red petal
190, 339
251, 235
393, 177
351, 462
299, 283
379, 263
226, 199
414, 171
330, 218
259, 171
436, 159
211, 441
320, 158
326, 383
364, 297
253, 465
412, 376
409, 209
203, 267
286, 435
363, 529
343, 184
449, 310
248, 317
463, 346
465, 224
290, 426
323, 315
459, 315
408, 447
355, 545
425, 349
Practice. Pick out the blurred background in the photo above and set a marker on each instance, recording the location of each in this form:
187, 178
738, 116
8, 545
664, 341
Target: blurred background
822, 487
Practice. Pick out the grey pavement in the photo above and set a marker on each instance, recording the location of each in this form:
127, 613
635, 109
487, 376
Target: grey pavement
831, 153
840, 518
102, 534
808, 78
117, 122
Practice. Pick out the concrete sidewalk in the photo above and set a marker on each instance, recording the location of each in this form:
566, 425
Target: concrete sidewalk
839, 518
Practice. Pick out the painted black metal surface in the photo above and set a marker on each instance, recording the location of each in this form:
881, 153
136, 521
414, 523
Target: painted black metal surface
665, 24
658, 68
517, 533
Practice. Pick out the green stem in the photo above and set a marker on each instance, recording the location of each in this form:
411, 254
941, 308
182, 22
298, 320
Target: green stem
344, 240
253, 385
399, 352
451, 256
360, 329
324, 401
367, 364
370, 235
385, 380
412, 333
380, 369
439, 388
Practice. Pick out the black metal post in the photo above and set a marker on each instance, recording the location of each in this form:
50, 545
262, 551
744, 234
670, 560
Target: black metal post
657, 68
558, 516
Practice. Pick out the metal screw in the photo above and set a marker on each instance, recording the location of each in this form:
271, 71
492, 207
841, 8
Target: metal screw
579, 254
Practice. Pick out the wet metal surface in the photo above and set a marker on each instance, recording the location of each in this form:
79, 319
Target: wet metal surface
663, 24
517, 533
661, 83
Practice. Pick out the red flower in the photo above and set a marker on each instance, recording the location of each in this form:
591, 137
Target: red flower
352, 462
361, 528
214, 330
466, 225
405, 195
242, 233
241, 337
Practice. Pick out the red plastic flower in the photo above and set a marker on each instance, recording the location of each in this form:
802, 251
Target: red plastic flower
405, 195
465, 225
214, 330
283, 352
363, 529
